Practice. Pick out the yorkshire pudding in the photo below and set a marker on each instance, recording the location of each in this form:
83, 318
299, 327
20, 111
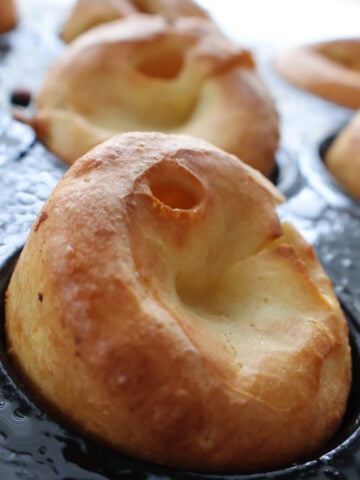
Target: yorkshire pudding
328, 69
160, 306
8, 15
146, 73
89, 13
343, 158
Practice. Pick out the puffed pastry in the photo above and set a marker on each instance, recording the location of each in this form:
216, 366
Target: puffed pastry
343, 158
149, 73
160, 306
89, 13
328, 69
8, 15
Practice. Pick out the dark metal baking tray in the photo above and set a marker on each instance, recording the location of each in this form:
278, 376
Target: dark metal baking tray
33, 445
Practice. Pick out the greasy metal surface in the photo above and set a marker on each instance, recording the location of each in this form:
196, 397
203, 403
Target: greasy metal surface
32, 445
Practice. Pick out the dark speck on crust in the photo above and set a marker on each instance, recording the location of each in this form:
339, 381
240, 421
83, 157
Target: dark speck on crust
40, 297
41, 219
21, 97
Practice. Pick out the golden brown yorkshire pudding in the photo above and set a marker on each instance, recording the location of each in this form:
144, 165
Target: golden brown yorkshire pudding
343, 158
328, 69
145, 73
8, 15
89, 13
159, 306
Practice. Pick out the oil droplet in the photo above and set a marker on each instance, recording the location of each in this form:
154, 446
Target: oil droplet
333, 474
346, 262
42, 450
18, 415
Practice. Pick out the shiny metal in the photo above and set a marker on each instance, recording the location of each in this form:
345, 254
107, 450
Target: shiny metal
33, 445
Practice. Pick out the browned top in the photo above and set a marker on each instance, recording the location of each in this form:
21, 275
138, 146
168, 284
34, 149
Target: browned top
343, 157
329, 69
8, 15
202, 333
150, 73
89, 13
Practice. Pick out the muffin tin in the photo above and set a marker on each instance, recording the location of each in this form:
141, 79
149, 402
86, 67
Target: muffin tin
33, 444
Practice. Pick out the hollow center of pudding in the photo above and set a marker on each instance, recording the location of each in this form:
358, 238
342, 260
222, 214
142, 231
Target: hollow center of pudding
174, 195
158, 92
174, 186
165, 64
263, 312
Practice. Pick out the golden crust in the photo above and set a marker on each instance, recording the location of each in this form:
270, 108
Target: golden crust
328, 69
159, 306
89, 13
8, 15
146, 73
343, 158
